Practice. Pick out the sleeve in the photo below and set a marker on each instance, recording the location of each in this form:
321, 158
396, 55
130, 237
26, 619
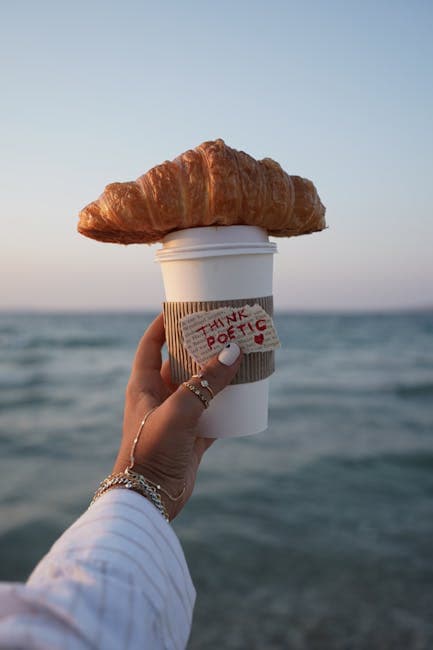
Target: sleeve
116, 579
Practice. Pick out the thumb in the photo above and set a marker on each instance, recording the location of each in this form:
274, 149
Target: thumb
184, 406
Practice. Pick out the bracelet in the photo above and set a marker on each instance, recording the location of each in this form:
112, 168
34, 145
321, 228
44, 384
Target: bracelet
135, 482
159, 487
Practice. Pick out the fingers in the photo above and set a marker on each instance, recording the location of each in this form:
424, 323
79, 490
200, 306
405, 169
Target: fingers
184, 408
148, 355
220, 370
166, 376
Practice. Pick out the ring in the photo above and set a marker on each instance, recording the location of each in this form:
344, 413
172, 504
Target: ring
205, 384
197, 392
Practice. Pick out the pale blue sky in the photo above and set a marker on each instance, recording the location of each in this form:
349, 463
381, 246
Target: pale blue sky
340, 92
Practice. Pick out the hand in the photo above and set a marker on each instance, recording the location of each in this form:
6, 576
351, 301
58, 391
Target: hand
169, 450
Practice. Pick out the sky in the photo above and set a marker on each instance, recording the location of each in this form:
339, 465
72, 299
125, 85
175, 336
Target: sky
339, 92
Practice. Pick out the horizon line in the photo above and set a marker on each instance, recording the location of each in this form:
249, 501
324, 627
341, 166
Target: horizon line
287, 310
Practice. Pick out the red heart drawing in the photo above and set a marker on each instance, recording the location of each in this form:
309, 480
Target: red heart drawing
259, 338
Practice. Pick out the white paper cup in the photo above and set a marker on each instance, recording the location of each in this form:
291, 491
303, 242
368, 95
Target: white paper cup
222, 263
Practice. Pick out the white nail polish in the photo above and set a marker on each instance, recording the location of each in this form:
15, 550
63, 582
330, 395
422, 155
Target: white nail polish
229, 354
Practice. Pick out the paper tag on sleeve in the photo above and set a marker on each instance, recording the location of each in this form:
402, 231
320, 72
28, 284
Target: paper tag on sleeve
205, 333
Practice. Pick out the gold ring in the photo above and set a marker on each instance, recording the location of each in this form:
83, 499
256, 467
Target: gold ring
197, 392
205, 384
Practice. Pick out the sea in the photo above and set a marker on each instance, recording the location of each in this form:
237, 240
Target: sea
314, 535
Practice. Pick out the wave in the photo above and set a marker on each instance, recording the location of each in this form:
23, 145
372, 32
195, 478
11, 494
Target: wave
421, 389
410, 460
38, 343
7, 330
33, 401
311, 390
89, 343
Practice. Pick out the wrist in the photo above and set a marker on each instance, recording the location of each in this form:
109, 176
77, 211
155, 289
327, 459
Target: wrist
166, 484
137, 483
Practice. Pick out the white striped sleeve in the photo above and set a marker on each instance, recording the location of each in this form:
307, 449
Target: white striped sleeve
117, 578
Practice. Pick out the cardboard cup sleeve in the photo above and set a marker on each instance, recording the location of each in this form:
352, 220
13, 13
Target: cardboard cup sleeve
254, 366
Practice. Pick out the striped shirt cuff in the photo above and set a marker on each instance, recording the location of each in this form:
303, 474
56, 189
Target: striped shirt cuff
117, 578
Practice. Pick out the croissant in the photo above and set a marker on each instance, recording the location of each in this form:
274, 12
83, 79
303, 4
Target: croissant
212, 185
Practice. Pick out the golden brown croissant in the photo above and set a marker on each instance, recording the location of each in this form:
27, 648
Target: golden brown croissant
212, 185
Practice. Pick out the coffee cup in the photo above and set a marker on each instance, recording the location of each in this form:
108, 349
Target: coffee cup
209, 267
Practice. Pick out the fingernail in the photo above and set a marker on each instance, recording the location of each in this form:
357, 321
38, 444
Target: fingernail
229, 354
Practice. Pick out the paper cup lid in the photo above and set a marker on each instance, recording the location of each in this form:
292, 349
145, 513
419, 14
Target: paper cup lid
215, 241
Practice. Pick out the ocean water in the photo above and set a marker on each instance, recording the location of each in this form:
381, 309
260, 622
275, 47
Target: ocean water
317, 534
